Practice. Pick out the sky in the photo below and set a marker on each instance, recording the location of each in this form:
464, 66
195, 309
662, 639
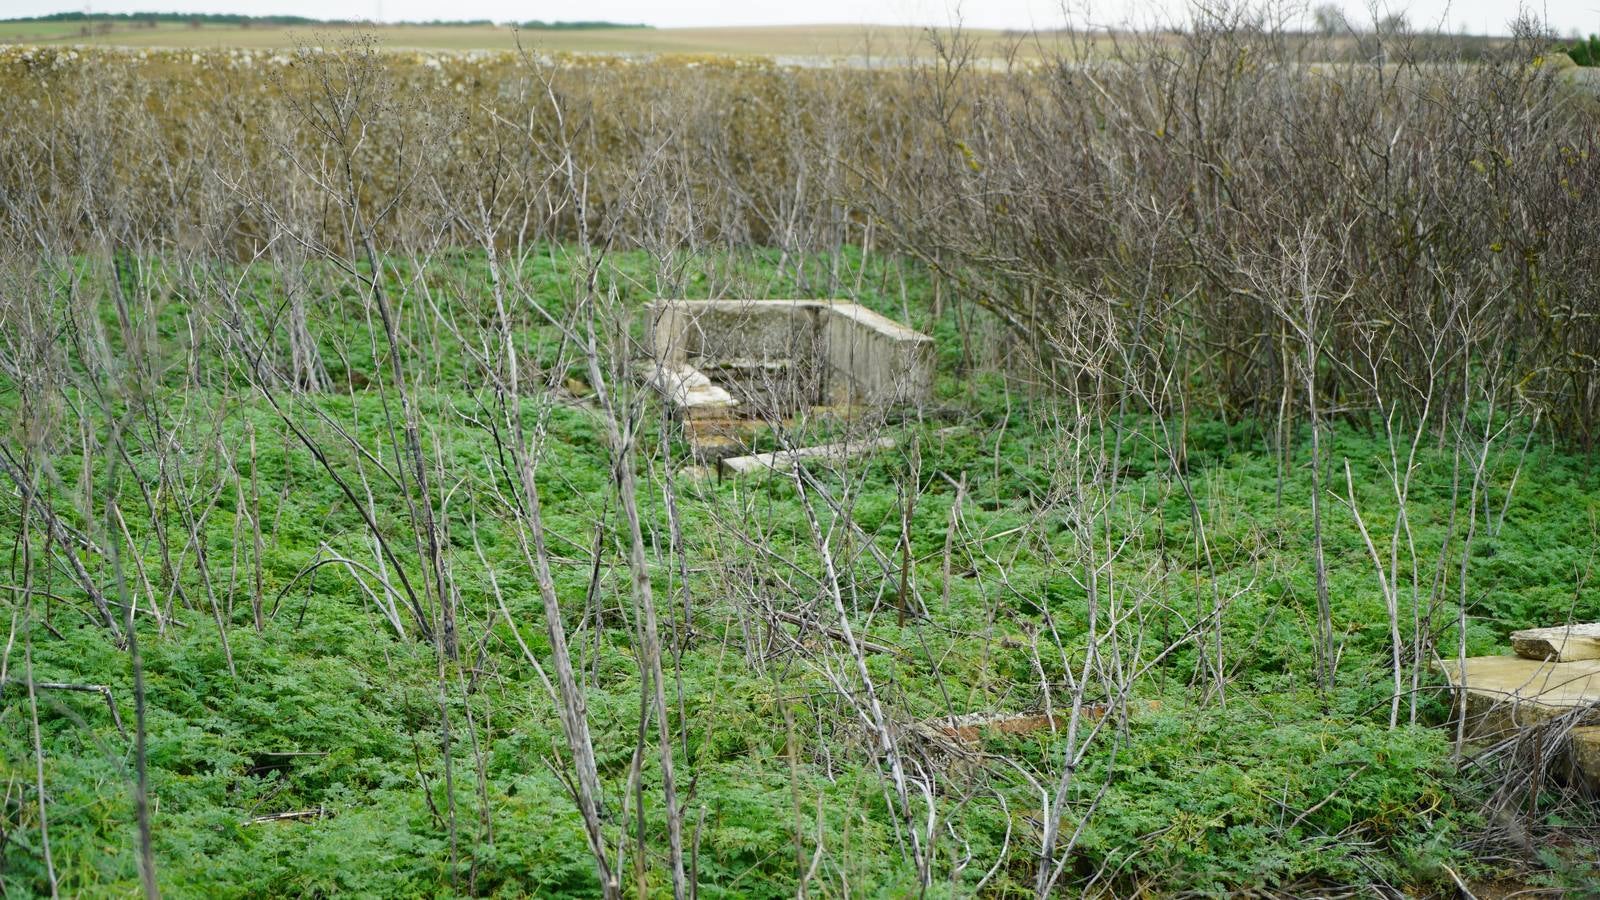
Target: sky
1477, 16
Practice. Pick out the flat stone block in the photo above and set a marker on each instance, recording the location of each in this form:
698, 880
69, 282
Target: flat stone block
783, 460
970, 728
1563, 643
1501, 694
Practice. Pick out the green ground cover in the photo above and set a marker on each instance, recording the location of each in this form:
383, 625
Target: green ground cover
1275, 784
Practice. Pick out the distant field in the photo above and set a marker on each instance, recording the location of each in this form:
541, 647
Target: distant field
788, 40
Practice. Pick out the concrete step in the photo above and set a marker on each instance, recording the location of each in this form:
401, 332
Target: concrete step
712, 449
1563, 643
700, 429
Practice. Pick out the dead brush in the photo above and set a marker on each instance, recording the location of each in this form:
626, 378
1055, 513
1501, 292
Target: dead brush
1543, 805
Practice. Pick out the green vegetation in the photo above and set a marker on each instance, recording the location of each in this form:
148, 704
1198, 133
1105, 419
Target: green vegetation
347, 552
1586, 53
1277, 785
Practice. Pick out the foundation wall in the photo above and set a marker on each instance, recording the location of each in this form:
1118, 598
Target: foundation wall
788, 353
874, 360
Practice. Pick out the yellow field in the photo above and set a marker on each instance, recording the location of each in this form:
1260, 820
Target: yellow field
787, 40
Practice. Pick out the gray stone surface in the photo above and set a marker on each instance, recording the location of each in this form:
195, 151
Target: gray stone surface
764, 330
875, 360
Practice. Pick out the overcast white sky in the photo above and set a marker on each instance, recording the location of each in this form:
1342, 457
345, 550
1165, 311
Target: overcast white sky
1479, 16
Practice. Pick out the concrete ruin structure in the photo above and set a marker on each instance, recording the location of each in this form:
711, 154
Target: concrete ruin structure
792, 353
725, 364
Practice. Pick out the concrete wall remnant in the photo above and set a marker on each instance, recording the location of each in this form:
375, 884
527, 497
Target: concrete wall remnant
782, 355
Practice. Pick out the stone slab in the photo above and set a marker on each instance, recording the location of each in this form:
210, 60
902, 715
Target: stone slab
1501, 694
783, 460
971, 728
1563, 643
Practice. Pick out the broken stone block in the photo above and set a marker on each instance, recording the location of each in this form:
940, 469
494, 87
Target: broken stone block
970, 728
1563, 643
777, 359
690, 391
783, 460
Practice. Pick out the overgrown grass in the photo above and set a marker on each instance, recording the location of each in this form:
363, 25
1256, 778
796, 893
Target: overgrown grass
1272, 784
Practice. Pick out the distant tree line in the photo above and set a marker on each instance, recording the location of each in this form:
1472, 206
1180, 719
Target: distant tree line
1330, 19
538, 25
207, 18
150, 18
